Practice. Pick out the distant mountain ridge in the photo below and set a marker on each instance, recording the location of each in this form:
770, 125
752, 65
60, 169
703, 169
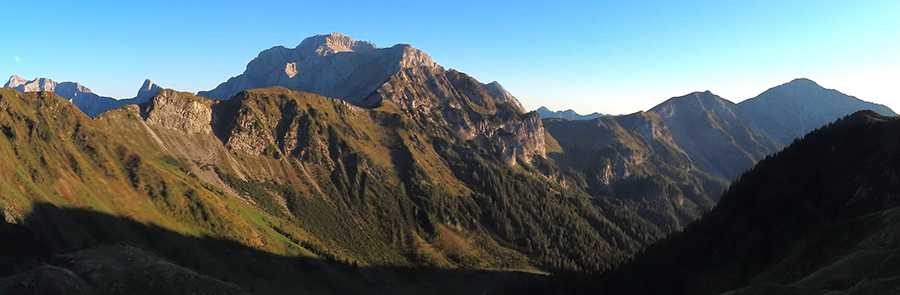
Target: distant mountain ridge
818, 217
724, 138
791, 110
567, 114
82, 97
717, 140
696, 144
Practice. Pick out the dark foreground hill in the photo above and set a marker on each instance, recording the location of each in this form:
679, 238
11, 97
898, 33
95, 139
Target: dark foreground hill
79, 251
818, 217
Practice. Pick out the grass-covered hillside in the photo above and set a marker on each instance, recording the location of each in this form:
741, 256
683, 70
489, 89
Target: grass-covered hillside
377, 187
297, 176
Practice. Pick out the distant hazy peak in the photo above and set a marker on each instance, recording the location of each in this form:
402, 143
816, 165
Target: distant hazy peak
693, 100
807, 92
64, 89
569, 114
802, 81
69, 89
15, 81
705, 95
791, 110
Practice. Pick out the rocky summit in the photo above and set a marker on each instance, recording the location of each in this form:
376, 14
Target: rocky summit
331, 65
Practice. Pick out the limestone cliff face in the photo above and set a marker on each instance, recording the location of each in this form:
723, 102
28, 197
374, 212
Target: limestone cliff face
331, 65
280, 122
517, 138
178, 111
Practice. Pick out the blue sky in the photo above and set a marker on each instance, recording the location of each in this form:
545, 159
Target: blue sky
605, 56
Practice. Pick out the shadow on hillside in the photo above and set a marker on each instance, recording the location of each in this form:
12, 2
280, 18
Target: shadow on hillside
49, 233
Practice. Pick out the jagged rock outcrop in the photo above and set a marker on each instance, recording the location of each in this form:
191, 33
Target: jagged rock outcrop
15, 81
789, 111
498, 91
178, 111
433, 96
86, 100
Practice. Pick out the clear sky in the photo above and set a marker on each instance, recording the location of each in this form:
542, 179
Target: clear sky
605, 56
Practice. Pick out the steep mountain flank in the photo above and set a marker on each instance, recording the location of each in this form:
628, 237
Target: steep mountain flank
83, 98
716, 139
438, 98
157, 177
635, 158
791, 110
818, 217
670, 164
380, 187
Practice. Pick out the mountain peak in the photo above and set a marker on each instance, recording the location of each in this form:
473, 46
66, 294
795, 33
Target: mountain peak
773, 111
15, 81
799, 84
332, 65
802, 81
703, 100
333, 43
148, 89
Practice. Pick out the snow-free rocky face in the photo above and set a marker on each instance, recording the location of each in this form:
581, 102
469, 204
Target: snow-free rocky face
400, 76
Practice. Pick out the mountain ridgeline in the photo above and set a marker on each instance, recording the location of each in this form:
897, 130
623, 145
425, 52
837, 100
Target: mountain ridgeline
341, 167
442, 172
688, 148
83, 98
567, 114
791, 110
